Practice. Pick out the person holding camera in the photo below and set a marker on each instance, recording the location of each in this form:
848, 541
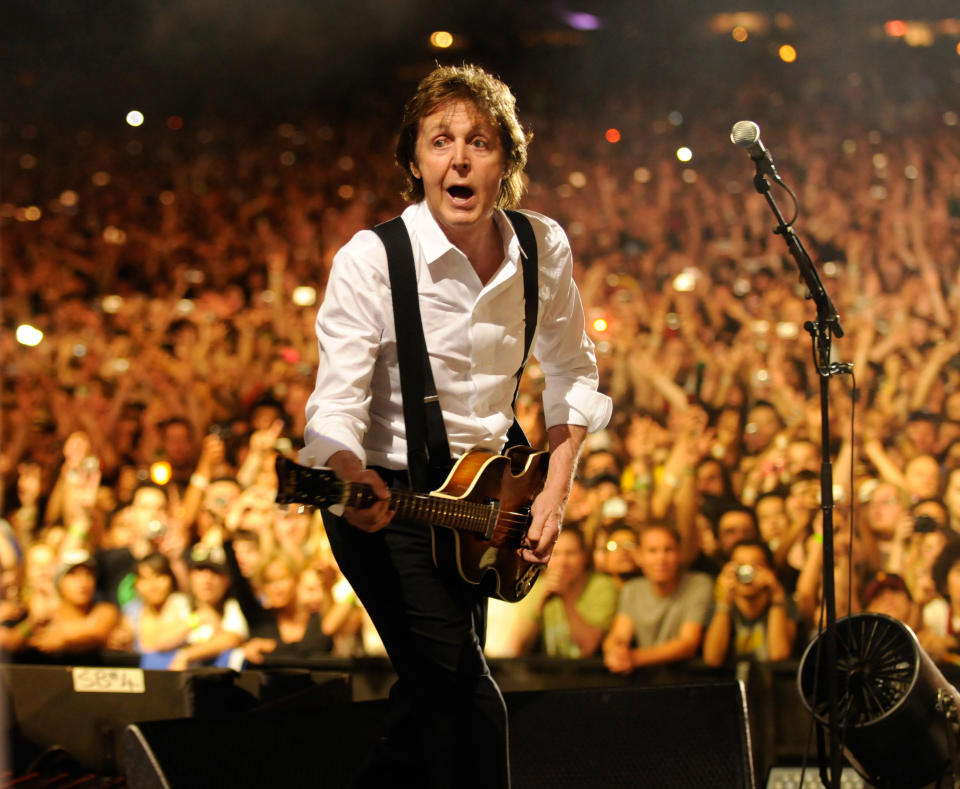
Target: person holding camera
752, 615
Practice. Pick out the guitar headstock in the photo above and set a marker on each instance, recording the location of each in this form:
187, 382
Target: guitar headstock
318, 487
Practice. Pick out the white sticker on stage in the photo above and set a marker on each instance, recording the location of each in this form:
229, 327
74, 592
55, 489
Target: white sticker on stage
108, 680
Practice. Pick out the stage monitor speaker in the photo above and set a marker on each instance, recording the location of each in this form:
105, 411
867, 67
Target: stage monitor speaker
671, 737
83, 711
680, 737
319, 749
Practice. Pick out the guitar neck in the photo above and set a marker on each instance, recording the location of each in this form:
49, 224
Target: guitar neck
430, 510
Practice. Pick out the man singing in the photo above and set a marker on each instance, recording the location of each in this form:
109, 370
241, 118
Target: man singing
462, 150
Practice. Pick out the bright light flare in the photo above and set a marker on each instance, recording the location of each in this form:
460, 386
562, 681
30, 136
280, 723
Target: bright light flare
787, 53
304, 296
739, 34
160, 472
600, 324
134, 118
612, 135
29, 335
684, 154
441, 39
580, 20
895, 28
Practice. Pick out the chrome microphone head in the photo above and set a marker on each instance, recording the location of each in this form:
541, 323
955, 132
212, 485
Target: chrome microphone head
744, 133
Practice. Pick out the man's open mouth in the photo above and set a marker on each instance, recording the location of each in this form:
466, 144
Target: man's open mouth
460, 192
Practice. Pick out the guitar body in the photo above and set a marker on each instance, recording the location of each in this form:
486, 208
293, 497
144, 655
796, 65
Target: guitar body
514, 480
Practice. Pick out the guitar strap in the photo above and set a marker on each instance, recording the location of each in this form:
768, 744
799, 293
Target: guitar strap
428, 449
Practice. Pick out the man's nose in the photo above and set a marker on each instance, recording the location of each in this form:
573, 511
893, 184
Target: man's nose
461, 158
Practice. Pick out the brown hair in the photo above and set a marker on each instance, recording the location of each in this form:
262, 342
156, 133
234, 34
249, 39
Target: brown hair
492, 98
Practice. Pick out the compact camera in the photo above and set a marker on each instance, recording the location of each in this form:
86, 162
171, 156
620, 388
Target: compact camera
746, 573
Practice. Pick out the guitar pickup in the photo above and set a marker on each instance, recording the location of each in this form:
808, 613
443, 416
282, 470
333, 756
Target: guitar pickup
494, 507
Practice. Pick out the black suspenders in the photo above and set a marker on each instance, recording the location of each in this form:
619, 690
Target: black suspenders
428, 450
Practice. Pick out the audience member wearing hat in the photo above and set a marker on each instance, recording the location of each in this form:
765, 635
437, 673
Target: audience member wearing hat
79, 624
217, 624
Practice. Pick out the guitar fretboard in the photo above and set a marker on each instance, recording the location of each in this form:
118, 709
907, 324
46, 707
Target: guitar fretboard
433, 510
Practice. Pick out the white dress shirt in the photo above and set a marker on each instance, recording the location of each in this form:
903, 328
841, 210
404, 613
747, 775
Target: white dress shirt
474, 335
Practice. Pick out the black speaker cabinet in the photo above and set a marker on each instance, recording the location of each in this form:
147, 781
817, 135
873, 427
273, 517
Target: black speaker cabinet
83, 711
679, 737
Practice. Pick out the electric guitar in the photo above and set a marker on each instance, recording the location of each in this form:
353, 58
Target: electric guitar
483, 508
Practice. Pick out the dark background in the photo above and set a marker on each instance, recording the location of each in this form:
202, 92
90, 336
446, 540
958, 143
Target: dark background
79, 62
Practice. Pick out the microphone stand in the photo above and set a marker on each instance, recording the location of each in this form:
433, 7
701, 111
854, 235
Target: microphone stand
821, 331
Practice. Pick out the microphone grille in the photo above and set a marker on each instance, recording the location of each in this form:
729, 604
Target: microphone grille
744, 133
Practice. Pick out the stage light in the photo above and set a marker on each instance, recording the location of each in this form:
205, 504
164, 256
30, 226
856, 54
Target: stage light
600, 324
675, 118
441, 39
346, 192
582, 21
895, 708
175, 123
68, 198
160, 472
135, 118
642, 175
577, 179
787, 53
29, 335
739, 34
32, 213
612, 135
895, 28
100, 178
684, 154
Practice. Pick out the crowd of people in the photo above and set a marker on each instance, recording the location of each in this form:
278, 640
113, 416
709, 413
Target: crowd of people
175, 277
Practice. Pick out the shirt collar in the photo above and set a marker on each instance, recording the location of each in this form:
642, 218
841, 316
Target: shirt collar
435, 244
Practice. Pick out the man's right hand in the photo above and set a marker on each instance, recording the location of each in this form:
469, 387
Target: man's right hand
348, 468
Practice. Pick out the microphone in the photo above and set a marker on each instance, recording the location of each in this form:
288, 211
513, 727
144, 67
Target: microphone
746, 134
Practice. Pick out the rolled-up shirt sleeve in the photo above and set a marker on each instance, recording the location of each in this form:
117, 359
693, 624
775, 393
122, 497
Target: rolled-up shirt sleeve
565, 352
349, 329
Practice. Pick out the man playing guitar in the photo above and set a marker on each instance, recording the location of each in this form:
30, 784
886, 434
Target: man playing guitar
462, 151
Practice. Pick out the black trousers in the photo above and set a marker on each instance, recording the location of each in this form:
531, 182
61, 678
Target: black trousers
448, 722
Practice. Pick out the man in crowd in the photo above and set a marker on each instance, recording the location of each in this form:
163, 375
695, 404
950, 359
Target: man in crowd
661, 615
